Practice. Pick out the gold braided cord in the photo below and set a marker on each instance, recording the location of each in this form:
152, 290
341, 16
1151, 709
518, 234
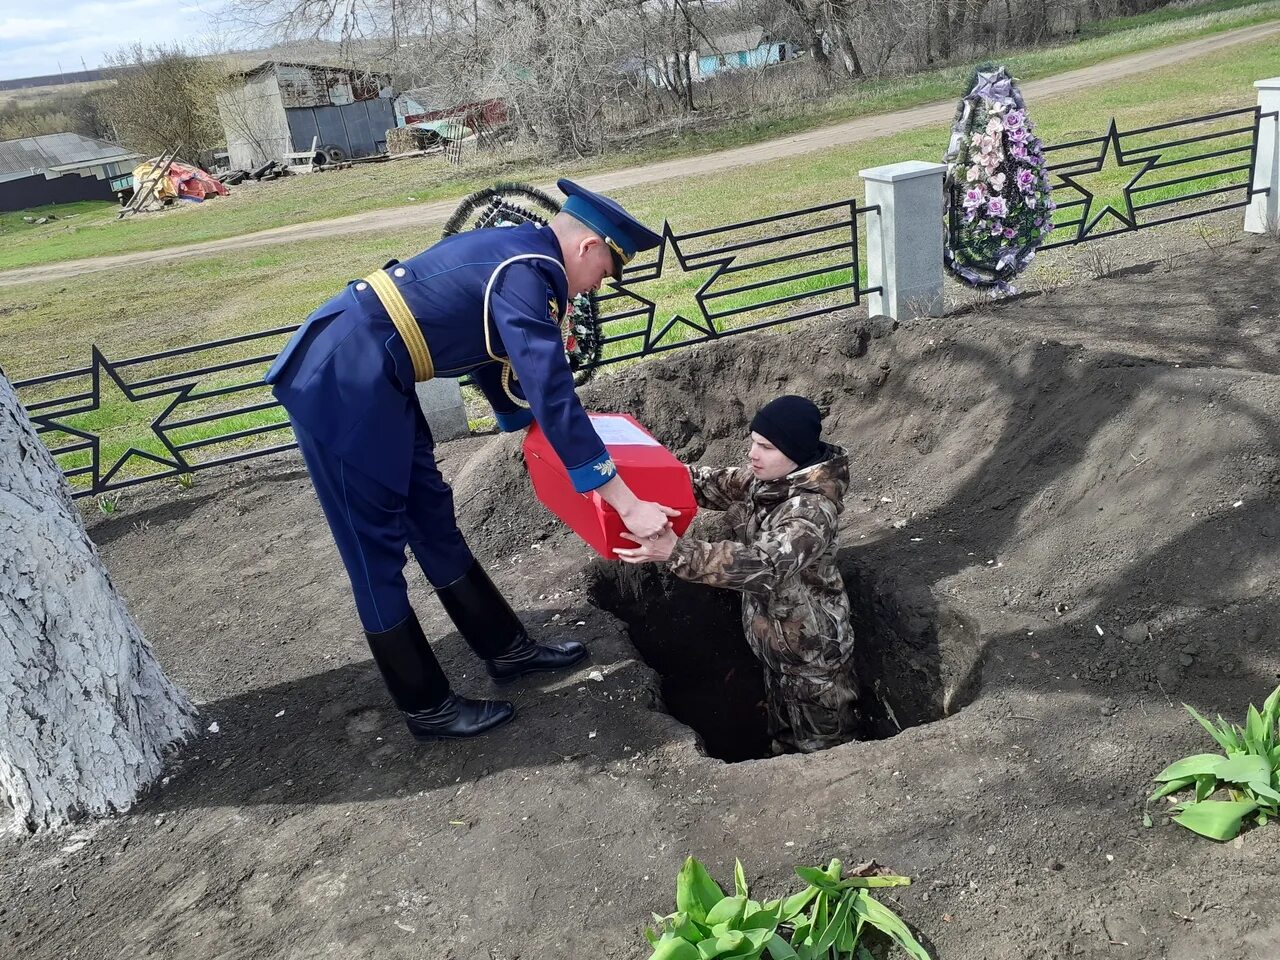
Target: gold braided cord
402, 317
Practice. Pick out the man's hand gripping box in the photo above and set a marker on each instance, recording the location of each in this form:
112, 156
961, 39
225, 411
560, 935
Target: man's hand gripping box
648, 468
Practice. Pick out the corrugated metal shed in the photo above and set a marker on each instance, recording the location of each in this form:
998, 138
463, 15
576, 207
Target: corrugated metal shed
56, 153
281, 107
318, 85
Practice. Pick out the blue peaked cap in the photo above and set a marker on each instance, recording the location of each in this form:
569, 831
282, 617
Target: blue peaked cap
625, 235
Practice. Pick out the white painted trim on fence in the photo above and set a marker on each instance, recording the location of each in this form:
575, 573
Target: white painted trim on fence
1263, 212
904, 242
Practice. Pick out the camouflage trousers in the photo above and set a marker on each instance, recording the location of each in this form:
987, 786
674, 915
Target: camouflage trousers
806, 714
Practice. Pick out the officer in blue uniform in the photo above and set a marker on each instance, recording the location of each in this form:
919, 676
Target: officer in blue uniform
487, 303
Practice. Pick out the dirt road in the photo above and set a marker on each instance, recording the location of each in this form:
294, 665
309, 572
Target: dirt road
841, 134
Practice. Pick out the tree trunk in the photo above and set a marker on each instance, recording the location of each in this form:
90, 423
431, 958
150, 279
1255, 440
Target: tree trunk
686, 63
86, 714
943, 31
844, 44
813, 19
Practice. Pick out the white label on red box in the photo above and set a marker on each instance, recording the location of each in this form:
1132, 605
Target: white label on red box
619, 431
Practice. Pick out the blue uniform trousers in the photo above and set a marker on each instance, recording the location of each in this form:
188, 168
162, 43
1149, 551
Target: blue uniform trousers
372, 524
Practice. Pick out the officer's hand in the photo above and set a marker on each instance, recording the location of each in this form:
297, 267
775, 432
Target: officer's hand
646, 520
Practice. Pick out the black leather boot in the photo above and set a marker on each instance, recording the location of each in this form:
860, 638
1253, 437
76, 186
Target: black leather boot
458, 718
489, 625
421, 690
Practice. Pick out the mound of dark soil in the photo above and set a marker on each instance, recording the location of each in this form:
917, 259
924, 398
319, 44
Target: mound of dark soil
1063, 523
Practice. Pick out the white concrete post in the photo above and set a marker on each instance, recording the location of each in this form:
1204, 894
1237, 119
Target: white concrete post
904, 248
441, 402
1263, 212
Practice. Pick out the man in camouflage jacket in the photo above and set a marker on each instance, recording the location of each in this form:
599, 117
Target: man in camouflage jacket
783, 510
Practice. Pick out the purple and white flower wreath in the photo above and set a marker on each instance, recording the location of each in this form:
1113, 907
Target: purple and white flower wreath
997, 185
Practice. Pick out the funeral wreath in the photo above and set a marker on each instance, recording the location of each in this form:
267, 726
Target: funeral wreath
1001, 207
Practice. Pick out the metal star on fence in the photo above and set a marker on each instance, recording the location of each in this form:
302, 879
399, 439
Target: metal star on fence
122, 422
1097, 186
671, 306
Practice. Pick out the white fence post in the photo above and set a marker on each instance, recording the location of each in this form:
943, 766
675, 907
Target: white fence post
1263, 212
441, 402
904, 251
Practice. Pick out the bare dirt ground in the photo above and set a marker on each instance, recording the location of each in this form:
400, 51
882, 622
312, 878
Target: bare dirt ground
1063, 523
853, 131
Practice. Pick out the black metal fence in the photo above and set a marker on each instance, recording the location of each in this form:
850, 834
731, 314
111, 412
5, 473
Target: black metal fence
119, 422
1130, 180
116, 423
178, 411
755, 274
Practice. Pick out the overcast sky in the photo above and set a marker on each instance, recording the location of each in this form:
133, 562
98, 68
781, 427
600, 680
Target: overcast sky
37, 35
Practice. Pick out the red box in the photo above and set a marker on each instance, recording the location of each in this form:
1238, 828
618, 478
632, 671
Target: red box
649, 469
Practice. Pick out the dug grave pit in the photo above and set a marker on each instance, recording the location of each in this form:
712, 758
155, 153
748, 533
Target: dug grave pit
917, 660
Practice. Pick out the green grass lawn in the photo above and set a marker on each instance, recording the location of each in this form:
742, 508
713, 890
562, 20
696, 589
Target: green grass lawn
255, 207
14, 230
46, 327
1161, 17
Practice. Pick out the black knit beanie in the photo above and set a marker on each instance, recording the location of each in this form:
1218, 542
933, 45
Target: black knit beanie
793, 425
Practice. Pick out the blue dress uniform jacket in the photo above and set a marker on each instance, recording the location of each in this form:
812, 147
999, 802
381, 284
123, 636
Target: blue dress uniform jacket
346, 376
347, 380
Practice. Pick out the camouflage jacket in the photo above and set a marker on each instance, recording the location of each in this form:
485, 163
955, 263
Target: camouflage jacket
783, 559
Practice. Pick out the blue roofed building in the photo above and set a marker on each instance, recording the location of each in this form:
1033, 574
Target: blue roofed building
60, 168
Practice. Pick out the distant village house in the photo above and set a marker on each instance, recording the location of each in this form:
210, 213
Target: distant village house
60, 168
740, 50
